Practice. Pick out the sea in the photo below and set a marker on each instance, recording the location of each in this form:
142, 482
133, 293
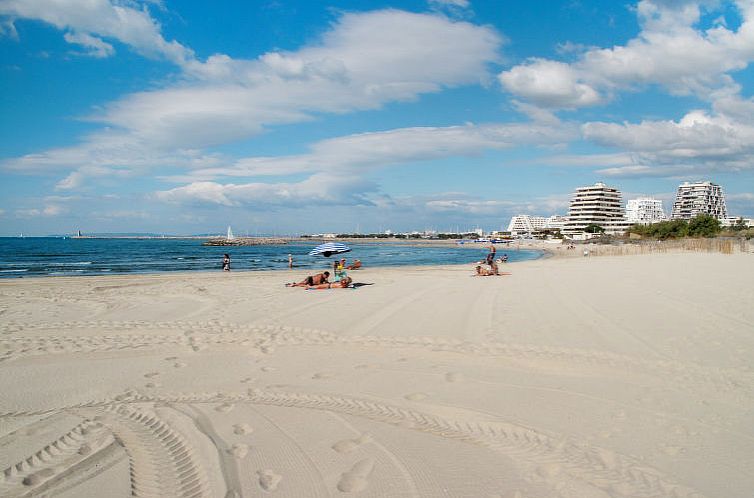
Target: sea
66, 256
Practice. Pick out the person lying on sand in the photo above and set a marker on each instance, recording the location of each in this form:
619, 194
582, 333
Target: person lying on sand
484, 272
318, 279
355, 265
343, 283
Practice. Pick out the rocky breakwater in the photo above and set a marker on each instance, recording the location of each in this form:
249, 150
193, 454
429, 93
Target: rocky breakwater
244, 241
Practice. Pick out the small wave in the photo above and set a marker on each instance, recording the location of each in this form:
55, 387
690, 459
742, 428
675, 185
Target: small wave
14, 271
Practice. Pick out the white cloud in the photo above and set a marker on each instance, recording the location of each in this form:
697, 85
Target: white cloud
698, 142
452, 3
744, 196
95, 46
319, 189
354, 154
46, 211
467, 206
456, 8
670, 51
7, 28
96, 19
550, 84
365, 61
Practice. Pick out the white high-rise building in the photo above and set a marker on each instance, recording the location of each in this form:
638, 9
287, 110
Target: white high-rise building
523, 224
596, 204
697, 198
645, 210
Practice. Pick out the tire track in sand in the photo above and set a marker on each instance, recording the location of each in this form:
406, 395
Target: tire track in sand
542, 456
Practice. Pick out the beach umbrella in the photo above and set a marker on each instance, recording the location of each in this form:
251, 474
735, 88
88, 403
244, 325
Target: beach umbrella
329, 248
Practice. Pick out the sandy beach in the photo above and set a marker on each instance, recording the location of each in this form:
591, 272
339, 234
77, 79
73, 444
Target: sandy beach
612, 376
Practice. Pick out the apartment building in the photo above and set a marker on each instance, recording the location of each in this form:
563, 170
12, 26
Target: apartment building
644, 210
596, 204
523, 224
697, 198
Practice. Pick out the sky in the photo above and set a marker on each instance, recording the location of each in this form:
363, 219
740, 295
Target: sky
289, 117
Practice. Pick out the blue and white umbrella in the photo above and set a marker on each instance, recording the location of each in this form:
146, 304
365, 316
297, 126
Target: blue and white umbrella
329, 248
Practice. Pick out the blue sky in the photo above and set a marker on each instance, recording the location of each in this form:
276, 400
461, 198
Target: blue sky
296, 116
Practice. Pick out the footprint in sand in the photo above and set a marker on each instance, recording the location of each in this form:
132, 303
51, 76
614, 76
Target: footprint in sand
415, 396
179, 364
267, 369
225, 407
239, 450
348, 445
171, 358
248, 380
268, 479
454, 377
323, 375
242, 429
152, 385
151, 374
355, 480
365, 366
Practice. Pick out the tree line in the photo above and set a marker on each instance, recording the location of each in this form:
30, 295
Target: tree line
702, 225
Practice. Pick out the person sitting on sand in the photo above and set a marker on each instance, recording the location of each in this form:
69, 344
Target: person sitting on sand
339, 267
484, 272
343, 283
318, 279
355, 265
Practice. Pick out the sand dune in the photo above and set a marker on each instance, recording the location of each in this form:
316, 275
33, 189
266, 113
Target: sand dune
572, 377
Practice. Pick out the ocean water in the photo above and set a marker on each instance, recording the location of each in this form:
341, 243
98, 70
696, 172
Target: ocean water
51, 256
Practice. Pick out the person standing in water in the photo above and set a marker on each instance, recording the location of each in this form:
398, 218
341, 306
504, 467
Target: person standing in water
290, 261
226, 262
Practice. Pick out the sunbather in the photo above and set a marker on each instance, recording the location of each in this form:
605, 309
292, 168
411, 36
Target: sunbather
318, 279
343, 283
484, 272
355, 265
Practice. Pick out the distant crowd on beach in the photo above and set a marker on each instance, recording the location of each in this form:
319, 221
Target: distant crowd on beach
340, 279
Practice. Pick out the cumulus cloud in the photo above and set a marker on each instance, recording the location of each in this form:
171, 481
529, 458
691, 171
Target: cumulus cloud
550, 84
365, 61
91, 20
699, 141
671, 50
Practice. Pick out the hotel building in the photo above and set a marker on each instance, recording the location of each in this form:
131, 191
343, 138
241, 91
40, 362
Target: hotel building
597, 204
644, 210
697, 198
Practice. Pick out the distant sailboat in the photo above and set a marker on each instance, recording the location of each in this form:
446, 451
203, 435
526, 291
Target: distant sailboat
230, 233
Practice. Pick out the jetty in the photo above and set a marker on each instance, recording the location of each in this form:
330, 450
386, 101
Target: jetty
244, 241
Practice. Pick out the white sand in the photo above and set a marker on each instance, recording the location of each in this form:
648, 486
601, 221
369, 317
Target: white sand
586, 377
